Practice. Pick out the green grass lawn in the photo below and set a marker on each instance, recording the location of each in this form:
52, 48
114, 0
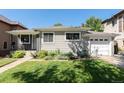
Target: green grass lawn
4, 61
64, 72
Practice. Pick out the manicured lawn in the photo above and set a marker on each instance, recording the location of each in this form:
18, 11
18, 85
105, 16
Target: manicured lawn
64, 72
4, 61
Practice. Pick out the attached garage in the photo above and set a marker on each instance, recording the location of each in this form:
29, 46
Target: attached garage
101, 44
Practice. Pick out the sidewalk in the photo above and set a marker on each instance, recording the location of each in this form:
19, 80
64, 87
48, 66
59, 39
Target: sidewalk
17, 62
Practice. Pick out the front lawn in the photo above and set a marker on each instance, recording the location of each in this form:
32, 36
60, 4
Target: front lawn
4, 61
63, 72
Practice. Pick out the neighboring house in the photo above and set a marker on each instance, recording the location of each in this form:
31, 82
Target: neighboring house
65, 39
115, 24
7, 40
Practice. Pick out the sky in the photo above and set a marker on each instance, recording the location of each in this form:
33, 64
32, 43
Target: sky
36, 18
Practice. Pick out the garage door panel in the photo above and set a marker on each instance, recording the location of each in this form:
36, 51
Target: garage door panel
99, 49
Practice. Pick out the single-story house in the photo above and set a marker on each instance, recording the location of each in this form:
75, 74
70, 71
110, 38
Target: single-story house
65, 39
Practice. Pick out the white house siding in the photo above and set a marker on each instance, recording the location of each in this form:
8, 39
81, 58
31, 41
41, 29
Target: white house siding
58, 43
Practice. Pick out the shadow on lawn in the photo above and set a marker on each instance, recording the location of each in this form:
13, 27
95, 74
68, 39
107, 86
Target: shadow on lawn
90, 71
104, 73
49, 76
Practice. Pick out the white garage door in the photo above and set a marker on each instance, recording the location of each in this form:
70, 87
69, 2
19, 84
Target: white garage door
99, 48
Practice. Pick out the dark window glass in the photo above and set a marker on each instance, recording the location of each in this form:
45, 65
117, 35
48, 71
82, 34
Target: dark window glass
48, 37
105, 39
114, 21
91, 39
5, 45
101, 40
96, 39
72, 36
25, 38
13, 43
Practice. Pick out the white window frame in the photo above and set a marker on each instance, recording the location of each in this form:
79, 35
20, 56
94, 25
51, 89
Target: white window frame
26, 42
73, 40
48, 32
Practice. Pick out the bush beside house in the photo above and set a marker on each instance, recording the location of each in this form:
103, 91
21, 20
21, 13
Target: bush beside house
17, 54
58, 55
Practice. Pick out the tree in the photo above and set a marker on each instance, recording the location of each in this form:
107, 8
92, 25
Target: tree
94, 23
58, 24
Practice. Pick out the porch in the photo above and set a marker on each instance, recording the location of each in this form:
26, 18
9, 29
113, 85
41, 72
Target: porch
26, 39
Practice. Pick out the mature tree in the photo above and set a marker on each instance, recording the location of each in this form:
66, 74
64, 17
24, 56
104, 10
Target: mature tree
94, 23
58, 24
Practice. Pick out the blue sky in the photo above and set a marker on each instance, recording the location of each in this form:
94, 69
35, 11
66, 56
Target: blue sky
33, 18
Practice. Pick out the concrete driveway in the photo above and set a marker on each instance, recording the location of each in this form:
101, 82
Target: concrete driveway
117, 60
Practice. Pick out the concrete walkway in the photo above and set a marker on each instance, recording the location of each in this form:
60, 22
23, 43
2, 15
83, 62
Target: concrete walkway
13, 64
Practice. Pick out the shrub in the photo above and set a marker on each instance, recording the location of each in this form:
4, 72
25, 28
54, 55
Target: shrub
61, 57
70, 55
48, 58
52, 53
18, 54
42, 54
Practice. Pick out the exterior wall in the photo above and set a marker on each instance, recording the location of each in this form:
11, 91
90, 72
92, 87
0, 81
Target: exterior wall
5, 37
120, 44
17, 27
59, 42
109, 28
115, 29
65, 46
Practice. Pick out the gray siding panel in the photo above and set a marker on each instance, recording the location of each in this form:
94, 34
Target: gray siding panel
59, 43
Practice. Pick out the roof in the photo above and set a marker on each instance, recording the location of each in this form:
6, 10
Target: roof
8, 21
92, 33
61, 28
67, 29
114, 16
23, 32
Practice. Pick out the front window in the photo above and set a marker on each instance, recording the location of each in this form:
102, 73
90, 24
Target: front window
48, 37
25, 39
72, 36
5, 45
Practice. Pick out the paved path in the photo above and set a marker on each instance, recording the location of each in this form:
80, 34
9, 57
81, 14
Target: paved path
117, 60
13, 64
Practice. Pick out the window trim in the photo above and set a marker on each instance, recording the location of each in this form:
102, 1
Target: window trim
48, 32
73, 40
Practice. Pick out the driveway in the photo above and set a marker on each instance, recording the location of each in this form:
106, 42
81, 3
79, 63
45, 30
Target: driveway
117, 60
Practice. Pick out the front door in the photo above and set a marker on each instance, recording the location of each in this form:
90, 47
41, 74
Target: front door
26, 42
